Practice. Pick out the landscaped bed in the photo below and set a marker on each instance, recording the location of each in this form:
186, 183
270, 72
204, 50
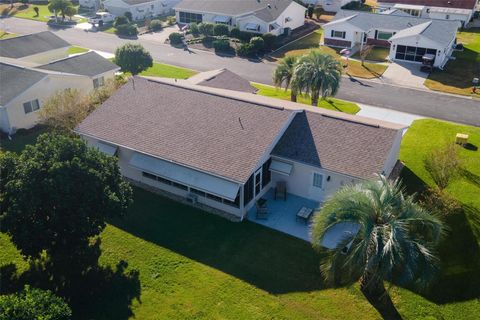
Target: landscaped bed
459, 73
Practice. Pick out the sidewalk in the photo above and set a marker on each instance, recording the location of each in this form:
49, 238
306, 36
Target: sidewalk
387, 115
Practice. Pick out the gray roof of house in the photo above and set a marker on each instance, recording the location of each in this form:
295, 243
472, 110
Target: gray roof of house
440, 31
348, 147
135, 2
15, 80
88, 64
266, 10
465, 4
31, 44
215, 134
223, 79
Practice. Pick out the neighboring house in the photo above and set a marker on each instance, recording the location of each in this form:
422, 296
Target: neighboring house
140, 9
222, 150
24, 88
222, 79
258, 16
334, 5
459, 10
39, 47
89, 4
409, 38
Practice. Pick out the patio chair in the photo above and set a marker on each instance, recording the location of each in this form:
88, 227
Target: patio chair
281, 190
262, 209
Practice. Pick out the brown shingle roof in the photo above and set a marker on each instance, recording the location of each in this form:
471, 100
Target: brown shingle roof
223, 79
352, 148
212, 133
463, 4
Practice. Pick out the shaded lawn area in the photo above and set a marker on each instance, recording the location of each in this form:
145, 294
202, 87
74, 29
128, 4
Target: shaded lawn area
26, 12
379, 54
458, 74
312, 42
329, 103
459, 251
21, 139
75, 50
168, 71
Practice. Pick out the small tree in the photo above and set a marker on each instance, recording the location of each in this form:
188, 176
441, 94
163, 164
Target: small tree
60, 193
129, 16
128, 29
220, 30
133, 58
33, 303
257, 44
70, 11
37, 11
119, 20
60, 6
65, 110
235, 33
310, 11
155, 25
443, 164
171, 20
440, 203
364, 52
206, 29
269, 40
318, 11
175, 38
194, 29
221, 45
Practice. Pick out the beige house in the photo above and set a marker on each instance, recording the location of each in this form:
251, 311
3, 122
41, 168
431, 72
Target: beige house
223, 150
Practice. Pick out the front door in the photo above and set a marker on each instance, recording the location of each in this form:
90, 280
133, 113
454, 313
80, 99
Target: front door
258, 182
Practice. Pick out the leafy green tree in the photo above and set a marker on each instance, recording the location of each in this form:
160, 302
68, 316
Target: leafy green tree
119, 20
284, 73
235, 33
220, 30
57, 198
33, 304
206, 28
70, 11
128, 29
175, 38
60, 6
257, 43
194, 28
133, 58
155, 25
318, 75
395, 241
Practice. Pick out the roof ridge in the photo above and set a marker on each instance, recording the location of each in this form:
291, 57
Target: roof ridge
29, 34
66, 58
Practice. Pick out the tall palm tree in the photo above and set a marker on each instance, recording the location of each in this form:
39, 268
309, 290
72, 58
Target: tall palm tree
283, 75
318, 75
395, 240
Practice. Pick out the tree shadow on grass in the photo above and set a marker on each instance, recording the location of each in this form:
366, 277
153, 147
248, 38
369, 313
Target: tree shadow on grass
101, 293
267, 259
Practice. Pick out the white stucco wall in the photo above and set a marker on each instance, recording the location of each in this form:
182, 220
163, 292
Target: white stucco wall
352, 33
393, 155
141, 11
47, 56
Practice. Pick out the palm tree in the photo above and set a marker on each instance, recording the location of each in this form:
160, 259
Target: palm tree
284, 75
394, 242
317, 74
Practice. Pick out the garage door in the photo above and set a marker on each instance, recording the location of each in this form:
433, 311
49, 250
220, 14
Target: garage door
413, 53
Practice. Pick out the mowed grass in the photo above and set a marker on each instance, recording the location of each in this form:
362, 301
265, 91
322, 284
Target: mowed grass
76, 50
168, 71
459, 73
329, 103
378, 54
27, 12
6, 35
312, 42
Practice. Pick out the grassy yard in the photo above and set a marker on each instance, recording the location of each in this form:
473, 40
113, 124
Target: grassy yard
458, 74
379, 54
312, 42
168, 71
21, 139
330, 103
26, 11
6, 35
75, 50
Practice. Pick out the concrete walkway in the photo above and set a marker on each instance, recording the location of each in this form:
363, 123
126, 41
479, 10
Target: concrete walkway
405, 74
388, 115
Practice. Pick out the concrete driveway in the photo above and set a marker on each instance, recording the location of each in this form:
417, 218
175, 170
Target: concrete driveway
160, 36
405, 74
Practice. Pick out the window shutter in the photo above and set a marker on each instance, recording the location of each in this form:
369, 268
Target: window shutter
376, 34
343, 34
331, 34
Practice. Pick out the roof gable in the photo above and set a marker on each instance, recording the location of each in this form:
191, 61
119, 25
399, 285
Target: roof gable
87, 64
31, 44
16, 80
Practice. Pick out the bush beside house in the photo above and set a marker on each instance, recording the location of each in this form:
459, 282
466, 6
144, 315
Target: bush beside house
129, 29
175, 38
155, 25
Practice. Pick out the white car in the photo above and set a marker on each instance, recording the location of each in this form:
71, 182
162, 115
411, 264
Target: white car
105, 17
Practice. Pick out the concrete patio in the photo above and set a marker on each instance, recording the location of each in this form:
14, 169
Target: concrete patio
282, 215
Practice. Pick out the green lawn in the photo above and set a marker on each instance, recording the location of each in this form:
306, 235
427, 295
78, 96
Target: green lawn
27, 12
6, 35
330, 103
458, 74
379, 54
168, 71
75, 50
20, 139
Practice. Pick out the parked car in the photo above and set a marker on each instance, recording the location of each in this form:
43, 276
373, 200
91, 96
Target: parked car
102, 18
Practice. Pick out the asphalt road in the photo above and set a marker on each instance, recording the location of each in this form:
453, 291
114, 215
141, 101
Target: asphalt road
425, 103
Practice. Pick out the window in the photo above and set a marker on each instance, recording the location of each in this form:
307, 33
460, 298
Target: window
267, 175
214, 197
98, 82
31, 106
248, 190
187, 17
197, 192
179, 186
447, 16
382, 35
149, 175
317, 180
412, 53
338, 34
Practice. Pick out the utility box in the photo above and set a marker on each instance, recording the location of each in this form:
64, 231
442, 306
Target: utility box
461, 139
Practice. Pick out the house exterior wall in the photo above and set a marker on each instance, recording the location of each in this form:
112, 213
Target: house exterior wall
243, 21
140, 11
91, 4
47, 56
352, 35
296, 14
393, 155
42, 90
300, 181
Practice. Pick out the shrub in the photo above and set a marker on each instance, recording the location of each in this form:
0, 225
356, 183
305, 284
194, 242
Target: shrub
133, 58
127, 29
155, 25
443, 164
33, 303
37, 11
269, 40
128, 15
235, 33
194, 29
257, 44
206, 28
119, 21
439, 202
221, 45
171, 20
220, 30
246, 36
245, 50
175, 38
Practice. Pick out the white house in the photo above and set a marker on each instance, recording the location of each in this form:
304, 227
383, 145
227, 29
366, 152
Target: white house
26, 83
409, 38
334, 5
258, 16
222, 150
140, 9
90, 4
458, 10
